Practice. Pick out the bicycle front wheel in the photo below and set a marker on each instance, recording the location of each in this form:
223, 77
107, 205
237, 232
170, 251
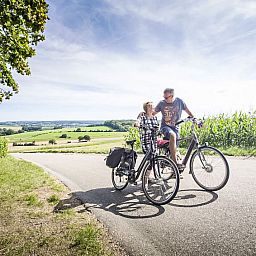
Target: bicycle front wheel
160, 190
209, 168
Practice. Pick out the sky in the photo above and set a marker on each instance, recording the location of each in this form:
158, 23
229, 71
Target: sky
103, 58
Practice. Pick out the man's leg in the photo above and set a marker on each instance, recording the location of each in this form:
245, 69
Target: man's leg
172, 146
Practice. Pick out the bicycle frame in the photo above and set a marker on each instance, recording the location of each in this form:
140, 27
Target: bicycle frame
149, 156
193, 143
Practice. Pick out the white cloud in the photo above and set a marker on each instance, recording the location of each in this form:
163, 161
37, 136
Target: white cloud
211, 68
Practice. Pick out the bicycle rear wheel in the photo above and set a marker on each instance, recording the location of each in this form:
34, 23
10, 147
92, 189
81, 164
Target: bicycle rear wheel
160, 190
119, 180
209, 168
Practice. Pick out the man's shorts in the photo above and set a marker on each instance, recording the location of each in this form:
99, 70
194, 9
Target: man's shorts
166, 130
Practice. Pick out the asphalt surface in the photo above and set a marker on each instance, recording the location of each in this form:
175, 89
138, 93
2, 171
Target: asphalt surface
194, 223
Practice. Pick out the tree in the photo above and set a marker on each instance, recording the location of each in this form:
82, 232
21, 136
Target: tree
64, 136
84, 138
22, 25
87, 137
80, 138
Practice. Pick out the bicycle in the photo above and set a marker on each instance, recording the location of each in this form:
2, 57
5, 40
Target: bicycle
208, 176
157, 190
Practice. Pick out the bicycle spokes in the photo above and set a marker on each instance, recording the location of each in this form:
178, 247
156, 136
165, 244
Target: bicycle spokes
161, 181
209, 168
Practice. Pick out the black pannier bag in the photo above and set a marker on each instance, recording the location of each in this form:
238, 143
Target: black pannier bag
114, 157
127, 159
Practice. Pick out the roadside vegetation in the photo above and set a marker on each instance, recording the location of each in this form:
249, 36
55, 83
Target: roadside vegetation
39, 217
234, 135
3, 147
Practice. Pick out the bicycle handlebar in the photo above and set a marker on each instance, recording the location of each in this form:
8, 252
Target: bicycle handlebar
191, 119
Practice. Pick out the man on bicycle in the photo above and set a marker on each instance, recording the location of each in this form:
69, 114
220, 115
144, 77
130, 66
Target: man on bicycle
171, 109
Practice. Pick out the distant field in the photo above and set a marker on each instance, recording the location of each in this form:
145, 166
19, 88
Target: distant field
15, 128
94, 146
101, 141
47, 135
89, 128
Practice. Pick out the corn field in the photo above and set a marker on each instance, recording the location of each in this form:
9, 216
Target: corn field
238, 130
223, 131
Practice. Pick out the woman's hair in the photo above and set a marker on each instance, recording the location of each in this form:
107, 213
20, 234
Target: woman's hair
145, 105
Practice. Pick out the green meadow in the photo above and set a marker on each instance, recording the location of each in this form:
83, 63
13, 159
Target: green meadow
102, 138
34, 217
46, 135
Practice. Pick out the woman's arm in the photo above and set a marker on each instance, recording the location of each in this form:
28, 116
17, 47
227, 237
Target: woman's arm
139, 120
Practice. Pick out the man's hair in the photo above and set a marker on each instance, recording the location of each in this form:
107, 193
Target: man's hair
169, 90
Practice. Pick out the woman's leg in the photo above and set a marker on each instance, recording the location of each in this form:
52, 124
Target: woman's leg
170, 134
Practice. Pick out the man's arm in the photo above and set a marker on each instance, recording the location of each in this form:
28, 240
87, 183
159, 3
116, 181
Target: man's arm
188, 112
155, 112
157, 109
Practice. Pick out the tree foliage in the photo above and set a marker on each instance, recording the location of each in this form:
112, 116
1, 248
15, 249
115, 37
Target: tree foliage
22, 24
84, 138
119, 125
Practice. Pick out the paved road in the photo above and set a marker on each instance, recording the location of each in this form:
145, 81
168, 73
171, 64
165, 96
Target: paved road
195, 223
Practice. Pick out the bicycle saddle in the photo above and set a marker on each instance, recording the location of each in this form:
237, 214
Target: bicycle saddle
162, 143
130, 142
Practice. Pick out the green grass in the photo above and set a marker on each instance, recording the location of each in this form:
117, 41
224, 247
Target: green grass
33, 200
53, 199
236, 151
28, 223
19, 177
99, 146
85, 241
55, 134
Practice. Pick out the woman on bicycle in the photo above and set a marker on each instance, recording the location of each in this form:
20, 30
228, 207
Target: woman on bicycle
148, 125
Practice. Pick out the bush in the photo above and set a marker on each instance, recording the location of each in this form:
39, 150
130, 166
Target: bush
80, 138
52, 142
31, 128
3, 147
64, 136
78, 130
87, 137
84, 138
57, 127
6, 132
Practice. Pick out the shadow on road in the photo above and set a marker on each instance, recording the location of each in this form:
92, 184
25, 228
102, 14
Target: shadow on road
130, 203
193, 198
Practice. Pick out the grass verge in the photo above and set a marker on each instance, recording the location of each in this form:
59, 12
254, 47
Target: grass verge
30, 226
232, 151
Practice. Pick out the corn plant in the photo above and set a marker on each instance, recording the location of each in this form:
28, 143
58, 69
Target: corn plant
223, 131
